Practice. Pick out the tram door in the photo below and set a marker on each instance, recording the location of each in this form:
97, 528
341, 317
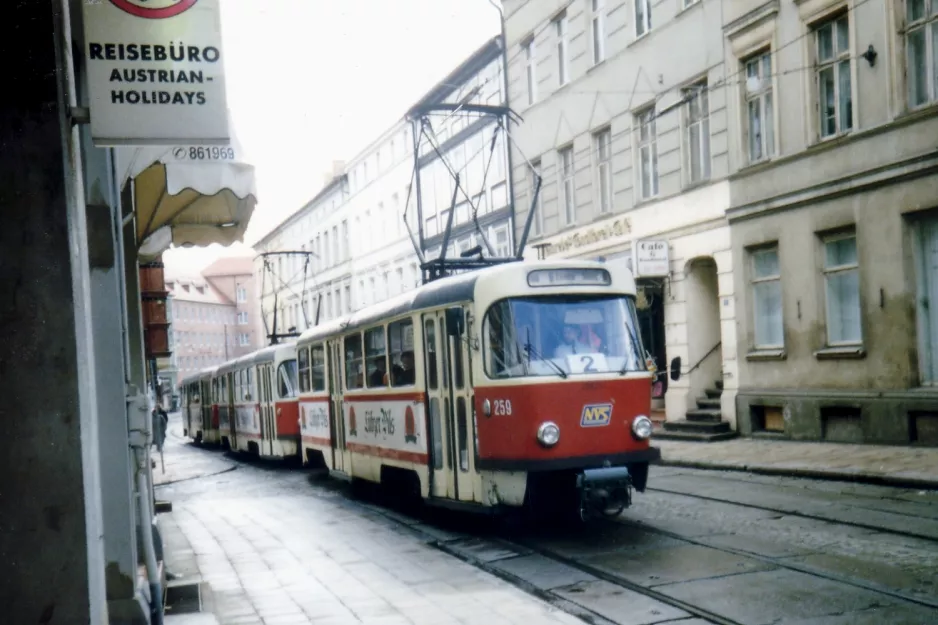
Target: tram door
268, 429
462, 429
442, 476
232, 400
340, 456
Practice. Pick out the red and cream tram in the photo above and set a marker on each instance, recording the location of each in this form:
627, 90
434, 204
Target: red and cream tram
518, 385
200, 407
261, 402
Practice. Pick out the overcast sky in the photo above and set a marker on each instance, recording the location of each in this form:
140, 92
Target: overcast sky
312, 81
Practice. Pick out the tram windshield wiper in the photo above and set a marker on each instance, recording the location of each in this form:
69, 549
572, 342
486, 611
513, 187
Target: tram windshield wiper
636, 348
530, 350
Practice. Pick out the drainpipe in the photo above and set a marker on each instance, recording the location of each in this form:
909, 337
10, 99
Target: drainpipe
141, 438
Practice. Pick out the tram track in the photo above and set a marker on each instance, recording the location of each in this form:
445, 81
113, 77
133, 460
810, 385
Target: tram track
780, 563
515, 547
805, 515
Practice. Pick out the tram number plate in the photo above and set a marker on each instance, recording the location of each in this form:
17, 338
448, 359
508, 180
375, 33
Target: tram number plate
587, 363
501, 407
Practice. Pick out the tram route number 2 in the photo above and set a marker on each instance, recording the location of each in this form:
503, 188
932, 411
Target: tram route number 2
587, 363
502, 407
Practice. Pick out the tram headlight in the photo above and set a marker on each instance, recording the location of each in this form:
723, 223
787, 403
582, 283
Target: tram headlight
642, 427
548, 434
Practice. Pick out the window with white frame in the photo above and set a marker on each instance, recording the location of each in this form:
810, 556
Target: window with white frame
561, 27
598, 30
242, 318
921, 42
502, 241
602, 149
647, 153
567, 185
760, 106
642, 17
537, 226
842, 289
530, 70
242, 294
767, 298
834, 92
697, 126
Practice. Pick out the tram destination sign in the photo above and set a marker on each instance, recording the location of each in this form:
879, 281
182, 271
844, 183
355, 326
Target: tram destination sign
155, 72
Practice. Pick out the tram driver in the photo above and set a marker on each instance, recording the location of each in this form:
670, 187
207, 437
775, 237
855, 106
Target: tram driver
570, 343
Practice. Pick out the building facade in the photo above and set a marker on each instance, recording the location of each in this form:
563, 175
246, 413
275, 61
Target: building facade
626, 124
310, 282
212, 316
834, 217
364, 227
471, 143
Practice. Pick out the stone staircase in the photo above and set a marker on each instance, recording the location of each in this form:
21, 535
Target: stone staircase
704, 424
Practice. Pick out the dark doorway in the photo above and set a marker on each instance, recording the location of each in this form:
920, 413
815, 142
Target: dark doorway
650, 303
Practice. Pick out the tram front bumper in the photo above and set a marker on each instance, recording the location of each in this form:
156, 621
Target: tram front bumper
605, 491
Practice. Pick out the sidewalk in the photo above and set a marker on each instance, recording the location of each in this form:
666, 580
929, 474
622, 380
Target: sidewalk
177, 467
269, 548
903, 466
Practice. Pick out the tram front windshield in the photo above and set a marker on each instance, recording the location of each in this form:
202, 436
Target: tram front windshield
562, 335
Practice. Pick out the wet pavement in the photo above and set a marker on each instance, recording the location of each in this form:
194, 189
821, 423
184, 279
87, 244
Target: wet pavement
280, 546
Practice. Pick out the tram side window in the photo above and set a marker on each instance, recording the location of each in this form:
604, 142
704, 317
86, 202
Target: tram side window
462, 431
318, 367
302, 363
376, 358
238, 393
353, 362
215, 395
401, 338
249, 385
429, 339
286, 379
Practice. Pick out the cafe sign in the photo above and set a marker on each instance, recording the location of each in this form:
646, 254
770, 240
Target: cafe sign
155, 72
652, 259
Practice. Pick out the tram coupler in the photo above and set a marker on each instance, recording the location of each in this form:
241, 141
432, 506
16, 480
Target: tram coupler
604, 492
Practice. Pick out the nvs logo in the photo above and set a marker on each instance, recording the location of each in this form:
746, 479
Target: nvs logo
596, 415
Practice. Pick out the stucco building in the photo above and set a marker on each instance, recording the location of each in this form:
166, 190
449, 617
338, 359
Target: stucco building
212, 316
623, 121
834, 216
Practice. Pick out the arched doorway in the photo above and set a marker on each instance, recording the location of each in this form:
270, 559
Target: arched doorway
704, 344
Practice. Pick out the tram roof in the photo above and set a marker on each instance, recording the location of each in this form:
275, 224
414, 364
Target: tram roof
439, 293
449, 290
263, 354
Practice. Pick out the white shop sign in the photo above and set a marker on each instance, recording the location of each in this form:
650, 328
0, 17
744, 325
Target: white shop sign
652, 259
155, 72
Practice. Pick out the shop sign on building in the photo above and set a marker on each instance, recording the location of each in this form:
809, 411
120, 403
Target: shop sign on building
652, 259
155, 72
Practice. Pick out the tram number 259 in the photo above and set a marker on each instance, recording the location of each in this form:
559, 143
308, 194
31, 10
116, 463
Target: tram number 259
502, 407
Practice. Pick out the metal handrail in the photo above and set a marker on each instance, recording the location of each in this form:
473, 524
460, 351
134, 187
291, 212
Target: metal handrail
699, 362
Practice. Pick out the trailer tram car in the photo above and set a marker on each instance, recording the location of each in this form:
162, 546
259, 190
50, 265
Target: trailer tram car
518, 386
201, 410
263, 400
